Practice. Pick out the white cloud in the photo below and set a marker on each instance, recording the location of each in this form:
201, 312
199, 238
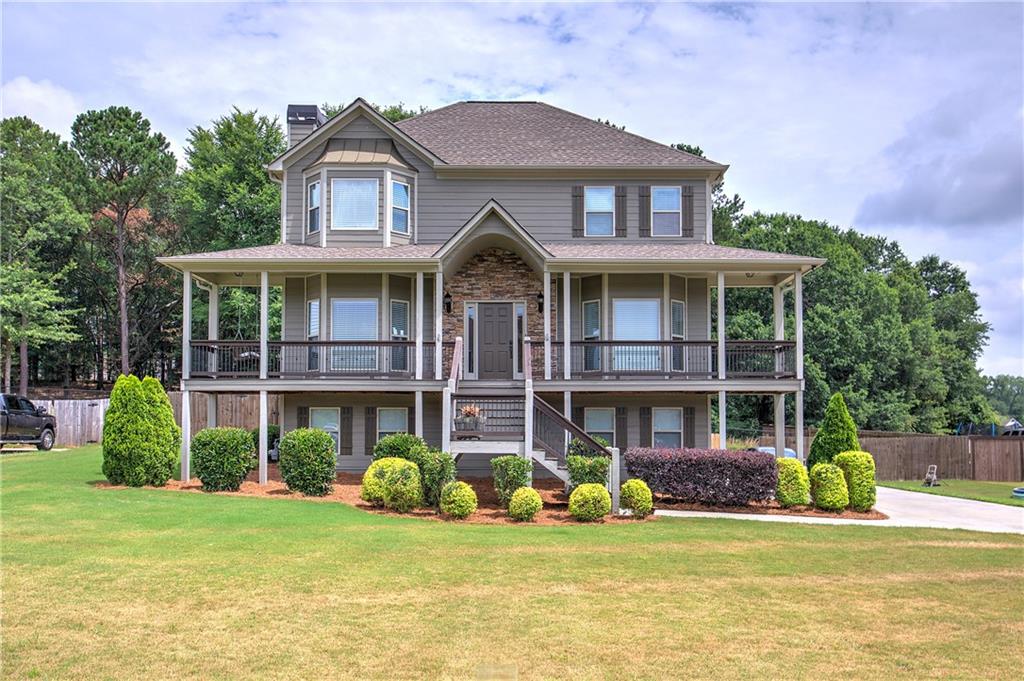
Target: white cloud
49, 105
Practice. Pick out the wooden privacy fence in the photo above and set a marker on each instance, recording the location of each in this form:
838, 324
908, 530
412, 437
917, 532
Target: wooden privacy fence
80, 422
906, 456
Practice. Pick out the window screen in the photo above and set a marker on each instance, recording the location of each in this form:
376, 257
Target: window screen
353, 204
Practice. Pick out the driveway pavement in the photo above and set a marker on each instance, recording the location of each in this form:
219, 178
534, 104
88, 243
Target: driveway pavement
905, 509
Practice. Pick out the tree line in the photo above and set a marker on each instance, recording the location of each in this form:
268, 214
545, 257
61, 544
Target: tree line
83, 298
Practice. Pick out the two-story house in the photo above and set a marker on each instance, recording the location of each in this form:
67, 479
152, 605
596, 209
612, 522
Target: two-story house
493, 276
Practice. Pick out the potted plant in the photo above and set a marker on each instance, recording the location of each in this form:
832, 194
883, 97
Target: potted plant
469, 418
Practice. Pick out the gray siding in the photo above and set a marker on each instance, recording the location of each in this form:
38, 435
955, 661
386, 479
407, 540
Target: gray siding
295, 216
294, 312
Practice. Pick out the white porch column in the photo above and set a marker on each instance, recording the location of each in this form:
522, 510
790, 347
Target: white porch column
264, 323
547, 325
780, 424
799, 423
263, 437
721, 419
721, 327
567, 412
779, 319
186, 435
566, 327
418, 411
419, 327
446, 419
186, 326
798, 296
438, 323
212, 323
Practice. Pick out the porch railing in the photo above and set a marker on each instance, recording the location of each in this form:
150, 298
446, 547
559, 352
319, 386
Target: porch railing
554, 433
485, 417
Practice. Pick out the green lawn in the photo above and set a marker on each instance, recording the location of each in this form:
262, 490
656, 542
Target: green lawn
980, 490
101, 583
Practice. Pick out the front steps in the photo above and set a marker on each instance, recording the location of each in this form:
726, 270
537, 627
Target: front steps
505, 447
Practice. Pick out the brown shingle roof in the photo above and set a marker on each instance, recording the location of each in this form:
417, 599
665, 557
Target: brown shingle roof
536, 134
666, 251
302, 252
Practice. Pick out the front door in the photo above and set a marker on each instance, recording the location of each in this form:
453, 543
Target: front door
495, 340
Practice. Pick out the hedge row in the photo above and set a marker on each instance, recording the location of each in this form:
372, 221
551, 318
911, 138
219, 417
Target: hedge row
706, 476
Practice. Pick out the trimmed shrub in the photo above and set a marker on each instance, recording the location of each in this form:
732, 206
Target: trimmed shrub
586, 469
402, 486
402, 446
524, 504
141, 441
436, 470
859, 472
372, 490
837, 433
590, 502
794, 486
458, 500
706, 476
307, 461
577, 448
828, 487
636, 496
222, 457
510, 473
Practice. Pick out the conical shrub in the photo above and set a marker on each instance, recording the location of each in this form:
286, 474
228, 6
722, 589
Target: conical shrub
837, 433
140, 437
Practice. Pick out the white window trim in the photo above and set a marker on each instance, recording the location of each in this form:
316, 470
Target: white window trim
408, 211
586, 231
679, 191
337, 412
376, 210
308, 208
408, 320
673, 336
380, 409
600, 332
320, 312
682, 424
615, 433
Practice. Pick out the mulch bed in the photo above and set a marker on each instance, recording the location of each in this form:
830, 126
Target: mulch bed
347, 486
764, 508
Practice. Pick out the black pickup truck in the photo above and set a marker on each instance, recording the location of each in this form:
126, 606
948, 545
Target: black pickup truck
21, 422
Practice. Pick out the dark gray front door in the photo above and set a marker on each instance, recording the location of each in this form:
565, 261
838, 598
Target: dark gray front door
495, 340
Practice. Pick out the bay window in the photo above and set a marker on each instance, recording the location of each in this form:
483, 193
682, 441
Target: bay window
313, 208
399, 207
591, 332
354, 203
354, 319
636, 319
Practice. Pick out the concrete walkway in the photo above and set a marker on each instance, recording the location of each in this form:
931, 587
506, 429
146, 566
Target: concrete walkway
905, 509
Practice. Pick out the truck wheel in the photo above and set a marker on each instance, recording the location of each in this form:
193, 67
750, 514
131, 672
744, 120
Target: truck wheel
45, 441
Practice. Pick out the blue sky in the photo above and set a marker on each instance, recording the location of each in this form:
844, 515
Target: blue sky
898, 119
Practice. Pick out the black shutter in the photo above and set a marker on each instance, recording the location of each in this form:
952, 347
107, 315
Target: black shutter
621, 428
577, 211
687, 211
689, 425
645, 211
411, 420
577, 416
371, 429
346, 431
302, 420
645, 426
620, 212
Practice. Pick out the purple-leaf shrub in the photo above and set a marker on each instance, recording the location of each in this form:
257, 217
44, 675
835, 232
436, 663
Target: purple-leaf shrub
706, 476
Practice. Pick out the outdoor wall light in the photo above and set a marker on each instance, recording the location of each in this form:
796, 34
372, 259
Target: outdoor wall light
447, 302
540, 301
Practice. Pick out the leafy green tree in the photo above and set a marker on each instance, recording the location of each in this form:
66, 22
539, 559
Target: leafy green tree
392, 112
837, 433
39, 177
126, 165
1006, 395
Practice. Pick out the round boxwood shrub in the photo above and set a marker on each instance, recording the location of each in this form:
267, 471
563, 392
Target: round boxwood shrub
524, 504
828, 487
307, 461
402, 446
510, 473
838, 433
401, 484
794, 486
141, 441
859, 471
590, 502
222, 457
458, 500
372, 490
587, 469
636, 496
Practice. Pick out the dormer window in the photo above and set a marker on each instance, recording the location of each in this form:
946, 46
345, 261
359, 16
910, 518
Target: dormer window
666, 211
354, 203
400, 207
313, 208
599, 208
